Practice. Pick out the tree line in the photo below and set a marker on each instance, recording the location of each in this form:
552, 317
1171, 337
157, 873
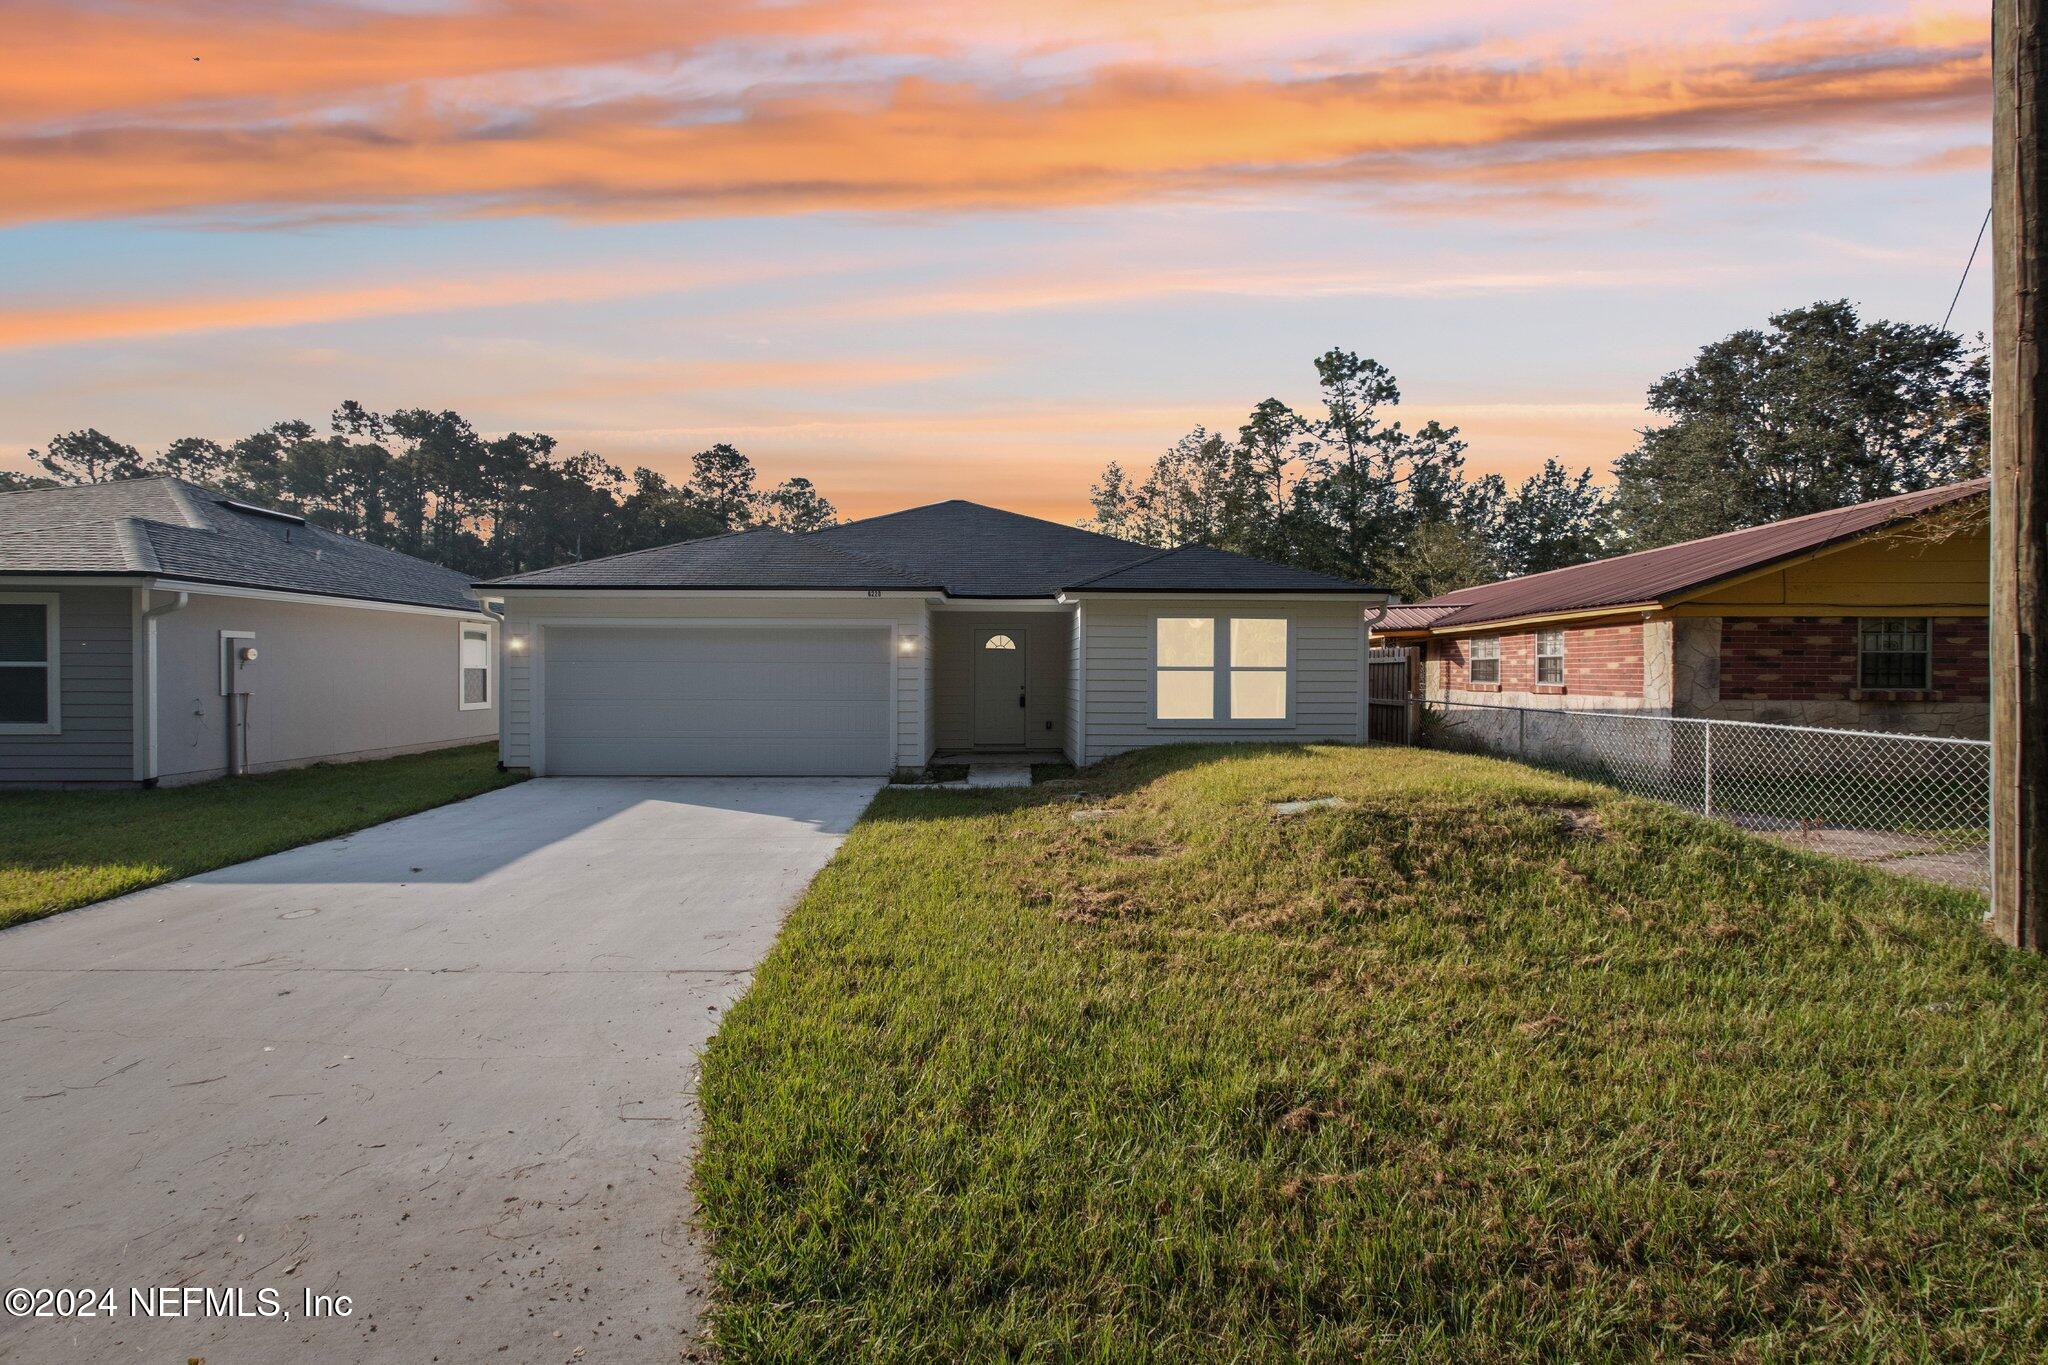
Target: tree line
1819, 409
428, 484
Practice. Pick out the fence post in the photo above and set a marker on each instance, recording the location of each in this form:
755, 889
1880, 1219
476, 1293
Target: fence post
1521, 732
1707, 771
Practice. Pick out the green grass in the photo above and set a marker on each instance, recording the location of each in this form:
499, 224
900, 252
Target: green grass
1486, 1065
69, 848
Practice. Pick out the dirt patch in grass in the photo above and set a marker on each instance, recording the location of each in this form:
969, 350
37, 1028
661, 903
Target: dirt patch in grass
1581, 822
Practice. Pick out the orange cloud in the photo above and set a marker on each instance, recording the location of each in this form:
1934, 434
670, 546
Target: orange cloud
1075, 287
790, 373
70, 61
27, 327
1114, 136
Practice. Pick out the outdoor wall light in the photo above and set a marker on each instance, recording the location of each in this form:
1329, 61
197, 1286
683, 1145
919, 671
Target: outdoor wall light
515, 643
908, 644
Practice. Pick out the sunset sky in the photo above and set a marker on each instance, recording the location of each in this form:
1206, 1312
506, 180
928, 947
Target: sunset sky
962, 249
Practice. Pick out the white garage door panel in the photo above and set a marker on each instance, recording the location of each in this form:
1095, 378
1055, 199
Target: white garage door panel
708, 701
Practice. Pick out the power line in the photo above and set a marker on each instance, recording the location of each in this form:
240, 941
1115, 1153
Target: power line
1966, 270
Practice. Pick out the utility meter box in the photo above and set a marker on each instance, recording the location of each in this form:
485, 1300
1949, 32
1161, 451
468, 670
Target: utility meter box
238, 659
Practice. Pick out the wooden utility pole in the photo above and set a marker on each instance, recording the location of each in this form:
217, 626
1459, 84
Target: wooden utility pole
2019, 492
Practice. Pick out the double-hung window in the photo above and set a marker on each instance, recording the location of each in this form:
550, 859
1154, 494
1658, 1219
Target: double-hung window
1549, 658
476, 667
1484, 663
28, 664
1893, 653
1221, 668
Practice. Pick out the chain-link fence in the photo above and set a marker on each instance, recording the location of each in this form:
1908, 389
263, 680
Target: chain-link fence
1917, 802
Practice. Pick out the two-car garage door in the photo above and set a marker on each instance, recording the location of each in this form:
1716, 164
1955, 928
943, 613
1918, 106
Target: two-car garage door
716, 700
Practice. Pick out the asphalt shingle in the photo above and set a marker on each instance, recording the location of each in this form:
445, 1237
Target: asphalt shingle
168, 528
1197, 568
744, 559
963, 549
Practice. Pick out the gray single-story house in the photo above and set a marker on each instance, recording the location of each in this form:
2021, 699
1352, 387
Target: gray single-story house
152, 630
947, 629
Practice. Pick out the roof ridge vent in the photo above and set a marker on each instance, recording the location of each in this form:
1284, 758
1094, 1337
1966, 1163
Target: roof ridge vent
255, 511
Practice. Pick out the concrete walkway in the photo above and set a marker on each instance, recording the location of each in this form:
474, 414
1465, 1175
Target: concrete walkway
444, 1067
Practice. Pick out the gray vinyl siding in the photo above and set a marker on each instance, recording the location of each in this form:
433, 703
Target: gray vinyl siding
1077, 688
527, 616
96, 683
1045, 635
1114, 643
928, 688
333, 683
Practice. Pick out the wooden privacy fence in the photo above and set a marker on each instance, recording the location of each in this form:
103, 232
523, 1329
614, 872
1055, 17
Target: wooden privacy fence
1391, 703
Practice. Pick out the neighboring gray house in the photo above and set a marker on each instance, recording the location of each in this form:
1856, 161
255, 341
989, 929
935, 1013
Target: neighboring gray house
951, 628
153, 631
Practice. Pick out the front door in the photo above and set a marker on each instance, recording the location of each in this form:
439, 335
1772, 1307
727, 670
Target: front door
999, 688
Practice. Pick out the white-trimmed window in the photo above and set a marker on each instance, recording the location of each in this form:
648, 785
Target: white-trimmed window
28, 664
476, 663
1221, 669
1894, 653
1258, 668
1550, 658
1186, 672
1484, 661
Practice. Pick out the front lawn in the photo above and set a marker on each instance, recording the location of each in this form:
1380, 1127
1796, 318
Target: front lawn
1484, 1064
68, 848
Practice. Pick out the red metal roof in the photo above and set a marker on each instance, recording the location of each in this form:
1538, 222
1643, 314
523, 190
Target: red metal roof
1411, 618
1669, 570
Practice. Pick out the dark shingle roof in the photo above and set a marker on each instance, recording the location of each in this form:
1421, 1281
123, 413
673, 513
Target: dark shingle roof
1197, 568
976, 551
167, 528
1652, 575
743, 559
960, 548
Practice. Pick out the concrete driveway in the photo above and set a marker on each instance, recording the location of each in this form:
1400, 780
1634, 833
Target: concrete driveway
444, 1067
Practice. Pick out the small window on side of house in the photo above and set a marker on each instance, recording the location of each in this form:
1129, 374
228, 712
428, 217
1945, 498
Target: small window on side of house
1550, 658
1258, 668
1484, 660
1184, 684
28, 664
476, 668
1894, 653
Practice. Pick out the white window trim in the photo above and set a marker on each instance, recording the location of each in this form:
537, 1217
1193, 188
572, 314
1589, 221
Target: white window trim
462, 629
1221, 719
1472, 657
1541, 681
52, 664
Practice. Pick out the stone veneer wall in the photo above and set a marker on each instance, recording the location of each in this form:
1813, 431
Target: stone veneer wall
1802, 671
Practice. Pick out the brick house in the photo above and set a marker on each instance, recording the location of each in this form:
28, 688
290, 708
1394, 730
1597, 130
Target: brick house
1866, 617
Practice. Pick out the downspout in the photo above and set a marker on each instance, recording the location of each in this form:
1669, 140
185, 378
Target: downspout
179, 601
